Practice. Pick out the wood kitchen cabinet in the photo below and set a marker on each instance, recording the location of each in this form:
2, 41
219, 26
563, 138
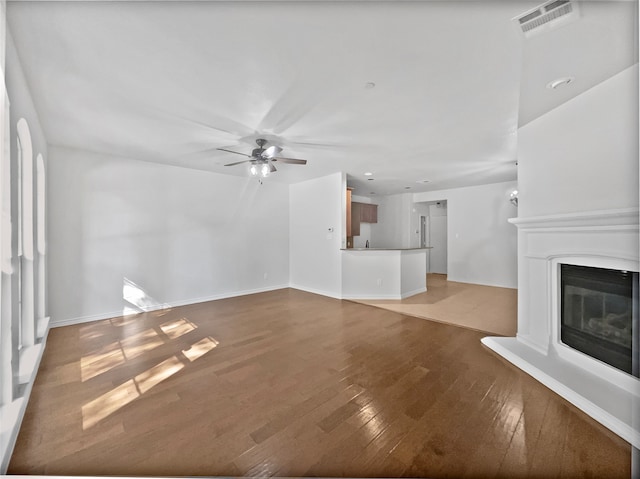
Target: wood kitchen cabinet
356, 215
349, 217
366, 213
369, 213
349, 214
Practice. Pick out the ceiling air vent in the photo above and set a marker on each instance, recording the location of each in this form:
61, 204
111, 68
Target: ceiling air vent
549, 15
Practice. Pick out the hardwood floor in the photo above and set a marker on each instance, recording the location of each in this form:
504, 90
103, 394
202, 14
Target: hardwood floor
289, 383
483, 308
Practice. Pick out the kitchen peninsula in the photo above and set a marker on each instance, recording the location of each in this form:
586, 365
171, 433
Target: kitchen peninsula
383, 273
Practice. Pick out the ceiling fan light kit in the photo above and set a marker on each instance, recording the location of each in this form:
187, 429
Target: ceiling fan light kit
261, 159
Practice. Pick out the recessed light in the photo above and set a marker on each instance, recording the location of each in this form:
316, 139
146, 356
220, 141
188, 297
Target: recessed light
368, 173
423, 181
370, 179
407, 187
372, 193
369, 85
559, 83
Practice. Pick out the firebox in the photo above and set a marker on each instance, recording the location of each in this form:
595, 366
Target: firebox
599, 314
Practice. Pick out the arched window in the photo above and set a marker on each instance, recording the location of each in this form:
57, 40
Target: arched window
25, 166
40, 239
40, 204
26, 286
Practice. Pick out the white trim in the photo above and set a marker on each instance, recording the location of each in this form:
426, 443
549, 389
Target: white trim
536, 366
317, 291
493, 285
616, 217
540, 348
414, 292
117, 314
233, 294
85, 319
373, 297
42, 326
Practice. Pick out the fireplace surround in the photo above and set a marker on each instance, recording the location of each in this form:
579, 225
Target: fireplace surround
583, 246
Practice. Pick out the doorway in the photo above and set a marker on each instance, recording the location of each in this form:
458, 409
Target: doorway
433, 233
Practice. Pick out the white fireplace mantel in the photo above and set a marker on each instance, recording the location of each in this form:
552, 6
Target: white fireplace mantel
606, 239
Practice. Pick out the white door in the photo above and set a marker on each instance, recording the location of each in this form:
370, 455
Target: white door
438, 242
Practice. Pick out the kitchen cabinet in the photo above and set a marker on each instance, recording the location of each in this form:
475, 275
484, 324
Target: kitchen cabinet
363, 213
356, 215
369, 213
349, 234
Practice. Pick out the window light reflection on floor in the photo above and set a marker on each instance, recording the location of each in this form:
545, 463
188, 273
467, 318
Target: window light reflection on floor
101, 361
200, 348
177, 328
116, 353
113, 400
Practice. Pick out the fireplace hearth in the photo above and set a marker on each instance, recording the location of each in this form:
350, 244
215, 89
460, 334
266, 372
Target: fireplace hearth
597, 314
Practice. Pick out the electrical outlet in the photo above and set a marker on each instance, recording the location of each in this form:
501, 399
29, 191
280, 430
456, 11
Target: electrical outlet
379, 281
266, 276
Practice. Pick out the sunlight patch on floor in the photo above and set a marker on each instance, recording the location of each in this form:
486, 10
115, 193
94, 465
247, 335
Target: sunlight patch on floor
178, 327
105, 405
158, 373
119, 352
200, 348
140, 343
101, 361
108, 403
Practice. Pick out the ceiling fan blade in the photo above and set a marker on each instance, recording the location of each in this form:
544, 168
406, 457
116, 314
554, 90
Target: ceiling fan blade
272, 167
292, 161
237, 163
231, 151
271, 151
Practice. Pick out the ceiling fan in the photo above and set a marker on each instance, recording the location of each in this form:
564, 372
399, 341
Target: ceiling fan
262, 159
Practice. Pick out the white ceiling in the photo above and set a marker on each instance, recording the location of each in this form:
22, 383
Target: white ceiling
170, 82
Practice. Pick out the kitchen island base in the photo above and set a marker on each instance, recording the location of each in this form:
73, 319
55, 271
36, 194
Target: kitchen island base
383, 273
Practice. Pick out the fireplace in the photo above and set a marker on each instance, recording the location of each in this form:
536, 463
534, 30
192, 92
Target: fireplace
598, 314
578, 312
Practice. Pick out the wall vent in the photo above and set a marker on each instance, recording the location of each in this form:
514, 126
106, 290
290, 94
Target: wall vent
548, 15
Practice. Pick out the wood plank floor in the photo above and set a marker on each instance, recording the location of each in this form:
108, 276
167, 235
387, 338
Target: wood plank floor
289, 383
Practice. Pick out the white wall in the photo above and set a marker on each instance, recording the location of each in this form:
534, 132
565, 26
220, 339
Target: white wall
181, 235
482, 245
583, 155
393, 227
21, 102
315, 207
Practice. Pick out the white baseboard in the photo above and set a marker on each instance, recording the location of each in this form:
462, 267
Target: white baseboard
371, 297
316, 291
413, 293
493, 285
56, 323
